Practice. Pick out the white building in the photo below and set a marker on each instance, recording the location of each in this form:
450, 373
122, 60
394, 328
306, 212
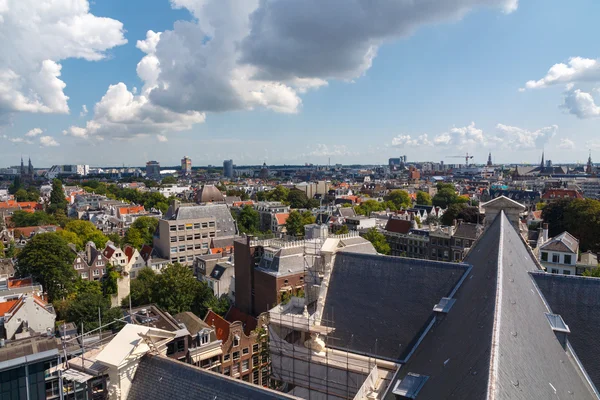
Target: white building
559, 254
57, 170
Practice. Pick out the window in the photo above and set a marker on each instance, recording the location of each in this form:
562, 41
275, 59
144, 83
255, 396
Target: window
246, 378
567, 259
211, 234
197, 225
544, 256
226, 357
189, 237
255, 348
566, 272
205, 245
173, 249
445, 253
554, 271
197, 246
182, 248
180, 227
173, 239
245, 366
265, 375
174, 259
180, 346
205, 224
211, 224
189, 226
190, 258
181, 238
84, 275
458, 242
235, 369
204, 235
96, 272
100, 263
182, 259
236, 355
255, 377
190, 247
173, 228
204, 338
255, 361
555, 258
245, 351
227, 371
197, 236
434, 252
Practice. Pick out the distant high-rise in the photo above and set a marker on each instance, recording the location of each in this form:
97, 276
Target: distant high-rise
153, 170
228, 168
186, 166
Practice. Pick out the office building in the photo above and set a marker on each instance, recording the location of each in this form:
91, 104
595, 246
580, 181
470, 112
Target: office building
186, 166
228, 168
153, 170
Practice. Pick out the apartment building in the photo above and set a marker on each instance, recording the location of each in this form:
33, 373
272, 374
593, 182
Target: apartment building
186, 230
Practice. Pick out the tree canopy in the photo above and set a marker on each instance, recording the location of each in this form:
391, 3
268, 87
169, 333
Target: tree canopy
423, 198
174, 290
169, 180
141, 232
296, 221
579, 217
400, 199
378, 240
49, 260
460, 211
86, 232
21, 219
248, 219
58, 200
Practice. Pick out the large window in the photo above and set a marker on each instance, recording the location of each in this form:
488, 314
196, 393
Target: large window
245, 366
544, 256
567, 259
555, 258
236, 355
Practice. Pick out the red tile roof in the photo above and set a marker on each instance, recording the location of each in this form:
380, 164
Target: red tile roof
398, 225
281, 218
249, 322
7, 306
27, 231
131, 210
221, 326
561, 194
15, 283
129, 252
242, 203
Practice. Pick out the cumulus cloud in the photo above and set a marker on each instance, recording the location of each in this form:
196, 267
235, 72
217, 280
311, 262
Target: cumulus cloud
17, 139
84, 111
34, 132
242, 55
409, 141
512, 137
578, 69
36, 36
580, 104
48, 141
323, 150
162, 138
472, 137
566, 144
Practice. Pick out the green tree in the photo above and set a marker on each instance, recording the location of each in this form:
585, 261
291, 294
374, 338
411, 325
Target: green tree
280, 193
12, 250
378, 240
110, 281
219, 305
369, 206
58, 200
21, 195
16, 185
540, 205
248, 220
423, 198
116, 239
297, 199
49, 260
2, 250
142, 288
295, 224
169, 180
72, 238
400, 199
343, 230
22, 219
87, 231
84, 310
460, 211
444, 197
141, 232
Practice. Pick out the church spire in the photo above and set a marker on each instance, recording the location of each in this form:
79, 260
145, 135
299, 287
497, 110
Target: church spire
588, 169
489, 162
542, 163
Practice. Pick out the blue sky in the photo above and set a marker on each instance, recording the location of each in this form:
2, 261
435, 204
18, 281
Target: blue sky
290, 84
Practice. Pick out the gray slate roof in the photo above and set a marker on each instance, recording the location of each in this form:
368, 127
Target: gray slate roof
577, 300
160, 378
286, 261
220, 212
564, 242
496, 336
379, 304
468, 230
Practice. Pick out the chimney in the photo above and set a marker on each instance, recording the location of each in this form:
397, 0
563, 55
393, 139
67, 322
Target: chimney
454, 222
545, 231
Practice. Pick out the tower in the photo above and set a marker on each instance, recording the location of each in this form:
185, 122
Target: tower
588, 169
542, 163
30, 169
22, 172
489, 162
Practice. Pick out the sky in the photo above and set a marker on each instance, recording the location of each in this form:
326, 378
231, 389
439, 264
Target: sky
121, 82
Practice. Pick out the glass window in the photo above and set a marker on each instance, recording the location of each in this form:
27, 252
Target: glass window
255, 377
96, 272
236, 355
180, 227
197, 225
246, 378
544, 256
245, 366
246, 351
211, 224
236, 341
255, 361
190, 258
173, 239
173, 249
189, 226
205, 224
197, 236
181, 238
555, 258
211, 234
182, 248
182, 259
205, 245
255, 348
189, 237
554, 271
190, 247
227, 371
197, 246
567, 259
84, 275
566, 272
458, 242
226, 357
235, 369
173, 228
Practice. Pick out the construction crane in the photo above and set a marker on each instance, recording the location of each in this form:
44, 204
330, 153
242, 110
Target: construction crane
467, 157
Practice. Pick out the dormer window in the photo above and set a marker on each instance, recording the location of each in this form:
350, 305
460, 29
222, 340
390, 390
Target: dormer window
236, 341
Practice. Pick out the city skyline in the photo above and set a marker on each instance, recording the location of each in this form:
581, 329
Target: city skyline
514, 78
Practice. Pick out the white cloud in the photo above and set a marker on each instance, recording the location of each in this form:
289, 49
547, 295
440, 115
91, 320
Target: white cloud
84, 111
48, 141
578, 69
323, 150
580, 103
471, 137
242, 55
17, 140
566, 144
162, 138
409, 141
34, 132
515, 138
36, 36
